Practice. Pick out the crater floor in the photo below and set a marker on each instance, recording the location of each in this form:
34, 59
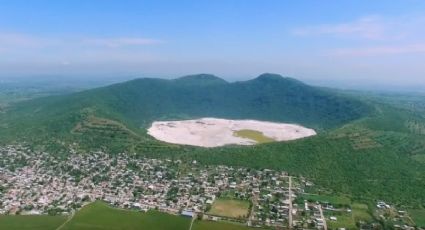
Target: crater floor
214, 132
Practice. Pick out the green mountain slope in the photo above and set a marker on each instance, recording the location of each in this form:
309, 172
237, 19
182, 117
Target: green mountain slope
121, 109
378, 157
366, 149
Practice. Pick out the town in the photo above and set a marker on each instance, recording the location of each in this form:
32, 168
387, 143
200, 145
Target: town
35, 183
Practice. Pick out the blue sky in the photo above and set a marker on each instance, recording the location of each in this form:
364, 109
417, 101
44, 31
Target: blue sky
376, 42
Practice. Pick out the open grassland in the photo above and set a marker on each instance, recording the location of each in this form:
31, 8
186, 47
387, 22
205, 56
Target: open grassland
343, 221
230, 208
99, 215
361, 212
30, 222
210, 225
418, 216
254, 135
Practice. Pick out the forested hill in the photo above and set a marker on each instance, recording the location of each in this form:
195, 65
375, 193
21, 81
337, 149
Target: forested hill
368, 149
267, 97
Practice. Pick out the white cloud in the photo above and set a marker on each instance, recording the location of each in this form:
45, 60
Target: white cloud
380, 50
11, 41
370, 36
372, 27
16, 47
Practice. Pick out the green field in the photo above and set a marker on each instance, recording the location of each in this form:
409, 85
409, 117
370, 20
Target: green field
343, 221
348, 220
230, 208
418, 215
210, 225
361, 212
254, 135
30, 222
99, 215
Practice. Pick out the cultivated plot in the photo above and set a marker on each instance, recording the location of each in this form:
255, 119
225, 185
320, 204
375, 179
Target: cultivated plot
230, 208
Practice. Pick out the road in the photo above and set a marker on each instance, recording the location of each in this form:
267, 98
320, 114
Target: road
191, 223
69, 219
325, 226
290, 203
252, 213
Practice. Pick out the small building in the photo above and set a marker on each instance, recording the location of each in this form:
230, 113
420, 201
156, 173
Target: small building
188, 214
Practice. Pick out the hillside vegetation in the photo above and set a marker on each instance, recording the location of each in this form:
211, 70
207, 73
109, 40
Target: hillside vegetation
378, 157
373, 158
137, 103
366, 149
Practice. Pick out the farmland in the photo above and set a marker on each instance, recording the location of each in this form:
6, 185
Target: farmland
210, 225
344, 221
30, 222
361, 212
99, 215
230, 208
